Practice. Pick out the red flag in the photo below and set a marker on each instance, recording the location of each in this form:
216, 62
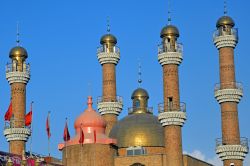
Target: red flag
8, 114
94, 136
66, 135
48, 127
28, 116
81, 140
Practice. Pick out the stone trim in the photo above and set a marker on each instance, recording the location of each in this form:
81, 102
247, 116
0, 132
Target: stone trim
225, 41
172, 118
109, 107
166, 58
232, 152
18, 77
111, 57
17, 134
228, 95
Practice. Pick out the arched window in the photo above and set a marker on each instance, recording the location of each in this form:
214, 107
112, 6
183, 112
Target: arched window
137, 164
137, 104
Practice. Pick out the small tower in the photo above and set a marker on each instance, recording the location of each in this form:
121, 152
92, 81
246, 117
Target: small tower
18, 75
109, 105
172, 113
231, 148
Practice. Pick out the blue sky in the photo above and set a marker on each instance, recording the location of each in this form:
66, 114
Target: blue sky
61, 37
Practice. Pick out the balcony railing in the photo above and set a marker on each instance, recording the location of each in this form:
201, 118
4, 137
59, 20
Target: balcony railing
167, 48
243, 141
12, 67
104, 49
140, 109
171, 107
15, 124
230, 85
222, 32
101, 99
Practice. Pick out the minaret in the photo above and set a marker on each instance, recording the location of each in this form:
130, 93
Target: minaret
172, 113
109, 105
18, 75
230, 148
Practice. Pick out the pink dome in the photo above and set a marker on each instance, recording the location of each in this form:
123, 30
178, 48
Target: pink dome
90, 118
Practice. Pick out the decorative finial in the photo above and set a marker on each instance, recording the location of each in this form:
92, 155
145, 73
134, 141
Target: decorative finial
108, 25
225, 7
139, 74
17, 35
169, 13
89, 89
90, 101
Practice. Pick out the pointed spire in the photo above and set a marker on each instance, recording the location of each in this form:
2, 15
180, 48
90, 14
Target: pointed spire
225, 7
17, 35
169, 13
139, 74
108, 25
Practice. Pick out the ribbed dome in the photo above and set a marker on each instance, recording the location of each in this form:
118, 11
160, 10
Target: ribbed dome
138, 130
140, 92
108, 38
225, 20
90, 118
170, 30
19, 52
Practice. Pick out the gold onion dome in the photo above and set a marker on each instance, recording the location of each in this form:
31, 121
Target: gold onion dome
18, 52
225, 20
108, 38
139, 92
170, 30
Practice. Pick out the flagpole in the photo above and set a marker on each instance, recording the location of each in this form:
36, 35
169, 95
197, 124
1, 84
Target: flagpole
49, 134
66, 143
31, 109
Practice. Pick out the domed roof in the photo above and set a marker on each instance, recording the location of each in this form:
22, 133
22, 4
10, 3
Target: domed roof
170, 30
138, 130
90, 118
108, 38
140, 92
18, 52
225, 20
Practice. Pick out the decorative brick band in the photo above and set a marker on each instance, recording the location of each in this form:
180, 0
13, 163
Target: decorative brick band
17, 134
228, 95
225, 41
110, 107
166, 58
108, 57
172, 118
232, 152
18, 77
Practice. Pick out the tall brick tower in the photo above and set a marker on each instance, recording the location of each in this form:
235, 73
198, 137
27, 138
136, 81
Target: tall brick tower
109, 105
18, 75
172, 113
231, 148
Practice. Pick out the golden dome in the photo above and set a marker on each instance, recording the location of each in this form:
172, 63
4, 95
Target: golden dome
108, 38
170, 30
18, 52
225, 20
139, 92
138, 130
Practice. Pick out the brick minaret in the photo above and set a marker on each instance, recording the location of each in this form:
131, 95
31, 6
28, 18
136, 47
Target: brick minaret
172, 113
18, 75
109, 105
230, 148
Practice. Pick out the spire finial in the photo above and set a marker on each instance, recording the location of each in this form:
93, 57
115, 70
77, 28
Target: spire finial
139, 73
17, 34
225, 7
108, 25
169, 13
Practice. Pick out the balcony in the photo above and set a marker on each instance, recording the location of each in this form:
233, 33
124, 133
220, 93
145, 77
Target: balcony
132, 110
236, 150
18, 74
162, 49
108, 55
225, 37
228, 92
172, 107
109, 105
104, 49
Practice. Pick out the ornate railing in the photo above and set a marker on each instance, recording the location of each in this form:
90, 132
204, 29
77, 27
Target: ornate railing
243, 141
142, 109
15, 124
171, 107
12, 67
166, 48
230, 85
221, 32
109, 99
113, 49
